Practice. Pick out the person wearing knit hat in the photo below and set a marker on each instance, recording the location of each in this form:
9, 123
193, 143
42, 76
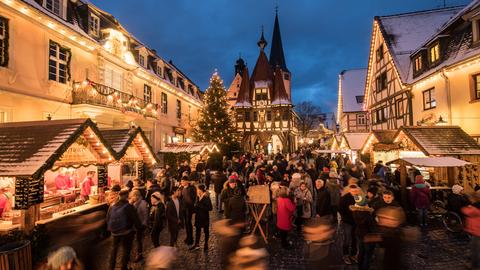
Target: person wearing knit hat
63, 258
158, 217
420, 197
457, 199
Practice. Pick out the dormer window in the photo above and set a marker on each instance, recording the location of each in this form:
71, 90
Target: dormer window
476, 31
434, 53
141, 60
54, 6
158, 70
418, 65
94, 25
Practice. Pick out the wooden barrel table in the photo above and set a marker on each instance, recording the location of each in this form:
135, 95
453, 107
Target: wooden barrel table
16, 256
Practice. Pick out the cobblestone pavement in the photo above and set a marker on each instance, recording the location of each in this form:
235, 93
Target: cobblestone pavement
438, 249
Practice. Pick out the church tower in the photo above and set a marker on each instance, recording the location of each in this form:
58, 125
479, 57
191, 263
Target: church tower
277, 57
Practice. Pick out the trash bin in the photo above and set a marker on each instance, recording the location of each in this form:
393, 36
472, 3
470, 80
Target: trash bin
16, 256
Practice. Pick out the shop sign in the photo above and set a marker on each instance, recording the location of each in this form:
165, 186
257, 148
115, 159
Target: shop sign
178, 130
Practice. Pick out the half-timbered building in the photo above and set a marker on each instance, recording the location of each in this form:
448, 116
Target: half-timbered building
352, 117
263, 110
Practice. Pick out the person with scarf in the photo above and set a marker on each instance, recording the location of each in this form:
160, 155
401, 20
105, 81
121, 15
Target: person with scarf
420, 197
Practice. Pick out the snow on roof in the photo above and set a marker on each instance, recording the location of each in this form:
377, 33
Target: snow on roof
355, 141
353, 85
433, 161
404, 33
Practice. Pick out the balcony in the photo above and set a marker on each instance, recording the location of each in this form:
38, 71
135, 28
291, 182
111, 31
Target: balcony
88, 92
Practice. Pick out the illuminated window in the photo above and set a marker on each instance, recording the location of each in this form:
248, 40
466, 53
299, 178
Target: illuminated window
147, 93
3, 117
164, 103
113, 78
361, 119
59, 63
434, 52
3, 41
141, 60
179, 109
94, 25
476, 86
429, 101
418, 63
239, 116
379, 53
54, 6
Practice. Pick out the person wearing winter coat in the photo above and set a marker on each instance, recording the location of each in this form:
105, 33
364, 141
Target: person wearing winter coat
472, 226
236, 207
189, 198
152, 187
348, 224
304, 205
364, 224
228, 193
285, 211
141, 206
157, 217
202, 217
218, 178
322, 200
333, 188
420, 197
175, 214
456, 200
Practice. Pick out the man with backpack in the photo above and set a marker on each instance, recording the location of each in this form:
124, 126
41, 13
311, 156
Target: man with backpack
122, 218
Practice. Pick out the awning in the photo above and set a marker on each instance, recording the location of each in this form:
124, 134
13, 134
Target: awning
431, 161
329, 151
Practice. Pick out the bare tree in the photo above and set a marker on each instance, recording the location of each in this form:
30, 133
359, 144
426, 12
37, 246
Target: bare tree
308, 115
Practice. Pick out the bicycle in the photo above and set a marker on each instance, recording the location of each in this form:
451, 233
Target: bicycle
452, 221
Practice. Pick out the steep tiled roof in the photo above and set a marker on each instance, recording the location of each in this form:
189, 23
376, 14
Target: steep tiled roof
262, 70
31, 148
442, 140
244, 92
353, 85
279, 93
404, 33
277, 57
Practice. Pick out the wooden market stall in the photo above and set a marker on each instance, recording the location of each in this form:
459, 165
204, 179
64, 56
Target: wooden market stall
133, 153
47, 168
380, 146
196, 150
336, 139
352, 143
442, 141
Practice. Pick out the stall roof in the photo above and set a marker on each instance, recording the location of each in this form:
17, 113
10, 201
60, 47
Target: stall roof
329, 151
355, 141
381, 140
31, 148
189, 147
441, 140
122, 139
432, 161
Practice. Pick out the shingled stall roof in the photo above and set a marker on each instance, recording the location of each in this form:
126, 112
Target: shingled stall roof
381, 140
121, 140
31, 148
440, 140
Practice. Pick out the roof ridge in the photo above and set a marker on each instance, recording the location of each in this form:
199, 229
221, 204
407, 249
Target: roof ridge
45, 122
418, 12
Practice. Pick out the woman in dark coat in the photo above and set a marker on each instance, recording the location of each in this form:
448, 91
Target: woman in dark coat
322, 203
202, 218
157, 217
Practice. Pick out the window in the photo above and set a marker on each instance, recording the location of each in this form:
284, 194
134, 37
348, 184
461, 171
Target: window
147, 93
59, 63
286, 76
379, 53
285, 116
247, 116
3, 42
418, 63
399, 108
94, 25
158, 70
429, 101
239, 117
164, 103
179, 109
269, 116
476, 86
360, 99
3, 117
255, 116
141, 60
381, 115
261, 94
434, 52
381, 81
476, 31
54, 6
113, 78
361, 119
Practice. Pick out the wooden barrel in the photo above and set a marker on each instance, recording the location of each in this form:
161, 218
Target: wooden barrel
16, 256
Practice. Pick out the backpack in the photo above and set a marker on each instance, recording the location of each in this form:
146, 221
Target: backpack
118, 219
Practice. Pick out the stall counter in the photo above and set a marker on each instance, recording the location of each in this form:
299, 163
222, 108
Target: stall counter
69, 212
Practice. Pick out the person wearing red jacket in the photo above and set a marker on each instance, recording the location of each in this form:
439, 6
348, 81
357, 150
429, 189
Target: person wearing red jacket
420, 197
285, 209
472, 226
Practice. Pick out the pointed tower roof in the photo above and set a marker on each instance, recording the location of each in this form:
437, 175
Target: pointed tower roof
262, 70
279, 93
277, 58
244, 92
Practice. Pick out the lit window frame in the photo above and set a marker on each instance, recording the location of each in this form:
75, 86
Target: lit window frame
58, 62
94, 25
4, 41
429, 99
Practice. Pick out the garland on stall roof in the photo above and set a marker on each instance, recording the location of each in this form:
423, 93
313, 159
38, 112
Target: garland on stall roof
6, 37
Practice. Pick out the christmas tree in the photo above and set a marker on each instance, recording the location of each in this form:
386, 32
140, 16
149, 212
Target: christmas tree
214, 123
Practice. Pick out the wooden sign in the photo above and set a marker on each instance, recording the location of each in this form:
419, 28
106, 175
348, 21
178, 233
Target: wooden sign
102, 173
259, 194
140, 173
28, 192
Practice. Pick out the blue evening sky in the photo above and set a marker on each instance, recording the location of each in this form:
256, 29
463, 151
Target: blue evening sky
320, 37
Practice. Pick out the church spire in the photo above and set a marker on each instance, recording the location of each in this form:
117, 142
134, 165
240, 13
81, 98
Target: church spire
277, 58
262, 43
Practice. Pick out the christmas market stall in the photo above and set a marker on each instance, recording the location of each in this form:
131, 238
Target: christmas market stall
133, 152
194, 152
50, 170
442, 141
380, 146
352, 143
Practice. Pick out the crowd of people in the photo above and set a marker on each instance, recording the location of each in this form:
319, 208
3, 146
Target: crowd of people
321, 197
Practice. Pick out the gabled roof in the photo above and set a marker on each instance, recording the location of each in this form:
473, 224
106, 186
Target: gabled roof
384, 136
352, 86
244, 92
404, 33
277, 57
121, 139
355, 141
441, 140
279, 93
262, 70
31, 148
